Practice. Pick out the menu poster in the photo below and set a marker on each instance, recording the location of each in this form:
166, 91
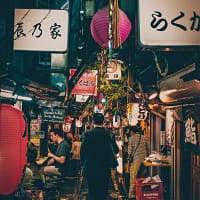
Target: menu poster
53, 115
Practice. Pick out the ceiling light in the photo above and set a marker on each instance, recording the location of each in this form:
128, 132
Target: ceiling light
153, 95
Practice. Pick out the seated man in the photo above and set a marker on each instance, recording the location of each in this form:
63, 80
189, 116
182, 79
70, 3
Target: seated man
57, 163
32, 181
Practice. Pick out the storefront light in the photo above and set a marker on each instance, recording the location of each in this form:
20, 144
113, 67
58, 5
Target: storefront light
165, 95
9, 94
103, 100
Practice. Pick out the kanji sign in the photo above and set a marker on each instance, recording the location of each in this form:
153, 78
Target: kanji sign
41, 30
114, 69
136, 112
169, 23
87, 84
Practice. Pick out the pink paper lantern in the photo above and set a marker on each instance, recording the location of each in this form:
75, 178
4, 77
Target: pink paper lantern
100, 24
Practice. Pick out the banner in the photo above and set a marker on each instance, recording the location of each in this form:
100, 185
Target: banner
87, 84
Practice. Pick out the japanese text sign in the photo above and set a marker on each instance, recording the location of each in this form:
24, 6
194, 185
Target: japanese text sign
41, 30
169, 23
114, 70
87, 84
136, 112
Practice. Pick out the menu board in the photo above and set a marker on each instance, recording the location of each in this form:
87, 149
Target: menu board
53, 115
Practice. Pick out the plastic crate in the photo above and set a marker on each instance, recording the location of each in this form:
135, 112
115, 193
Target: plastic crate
151, 190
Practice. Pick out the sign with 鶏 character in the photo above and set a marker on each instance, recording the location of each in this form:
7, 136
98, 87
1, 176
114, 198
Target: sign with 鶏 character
41, 30
87, 84
169, 23
191, 132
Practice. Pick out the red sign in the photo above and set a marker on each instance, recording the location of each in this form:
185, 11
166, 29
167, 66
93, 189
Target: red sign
87, 84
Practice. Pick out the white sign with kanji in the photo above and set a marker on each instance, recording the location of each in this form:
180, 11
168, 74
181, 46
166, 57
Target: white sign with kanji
169, 23
41, 30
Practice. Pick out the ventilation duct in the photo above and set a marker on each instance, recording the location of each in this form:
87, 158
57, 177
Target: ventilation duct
179, 87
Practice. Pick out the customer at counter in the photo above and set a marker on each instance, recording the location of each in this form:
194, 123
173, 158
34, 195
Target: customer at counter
57, 163
138, 148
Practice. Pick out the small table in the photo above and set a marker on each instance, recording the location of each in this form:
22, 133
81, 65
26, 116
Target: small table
150, 164
41, 160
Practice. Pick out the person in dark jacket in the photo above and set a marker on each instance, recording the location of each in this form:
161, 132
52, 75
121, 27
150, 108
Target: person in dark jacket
96, 151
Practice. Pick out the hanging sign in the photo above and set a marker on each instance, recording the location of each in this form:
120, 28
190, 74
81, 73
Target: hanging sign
54, 115
81, 98
169, 23
114, 70
66, 127
136, 112
87, 84
190, 131
41, 30
191, 136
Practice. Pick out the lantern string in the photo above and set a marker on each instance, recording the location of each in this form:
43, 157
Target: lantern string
110, 30
117, 40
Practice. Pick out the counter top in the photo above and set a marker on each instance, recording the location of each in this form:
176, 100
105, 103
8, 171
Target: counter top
41, 160
153, 164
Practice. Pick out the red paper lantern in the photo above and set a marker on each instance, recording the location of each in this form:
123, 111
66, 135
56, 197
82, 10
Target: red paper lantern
100, 24
13, 148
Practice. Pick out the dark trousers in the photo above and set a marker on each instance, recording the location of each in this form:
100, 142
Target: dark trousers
98, 186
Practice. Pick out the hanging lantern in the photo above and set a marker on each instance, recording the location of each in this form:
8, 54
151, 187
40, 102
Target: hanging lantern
13, 148
100, 27
116, 120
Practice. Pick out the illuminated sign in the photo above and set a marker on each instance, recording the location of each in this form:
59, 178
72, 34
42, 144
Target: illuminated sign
87, 84
41, 30
169, 23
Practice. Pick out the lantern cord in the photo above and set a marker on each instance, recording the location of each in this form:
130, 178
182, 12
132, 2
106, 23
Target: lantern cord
117, 39
110, 30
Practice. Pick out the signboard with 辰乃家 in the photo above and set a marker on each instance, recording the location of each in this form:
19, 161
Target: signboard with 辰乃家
169, 23
41, 30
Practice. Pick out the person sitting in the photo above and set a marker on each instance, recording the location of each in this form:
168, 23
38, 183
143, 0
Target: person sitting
75, 150
32, 180
57, 163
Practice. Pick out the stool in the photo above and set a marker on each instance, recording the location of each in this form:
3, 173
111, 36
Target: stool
52, 187
34, 189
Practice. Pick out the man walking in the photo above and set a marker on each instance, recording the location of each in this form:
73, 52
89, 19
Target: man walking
96, 152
